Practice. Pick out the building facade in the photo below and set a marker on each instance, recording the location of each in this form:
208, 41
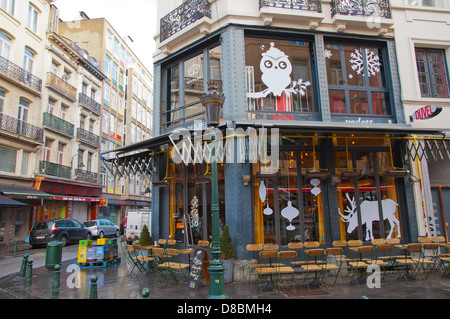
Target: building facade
317, 138
126, 109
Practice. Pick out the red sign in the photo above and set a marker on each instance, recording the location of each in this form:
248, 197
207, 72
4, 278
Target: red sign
427, 112
70, 189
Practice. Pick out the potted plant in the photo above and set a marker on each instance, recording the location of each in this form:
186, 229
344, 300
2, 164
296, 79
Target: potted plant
227, 255
145, 238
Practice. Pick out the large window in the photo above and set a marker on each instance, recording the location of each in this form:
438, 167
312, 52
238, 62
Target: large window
357, 80
8, 162
432, 72
186, 83
8, 6
32, 18
5, 45
2, 100
278, 77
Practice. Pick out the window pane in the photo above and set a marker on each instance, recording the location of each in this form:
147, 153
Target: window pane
438, 72
337, 101
278, 75
333, 62
422, 71
380, 103
174, 94
354, 62
25, 157
358, 102
194, 87
8, 162
375, 67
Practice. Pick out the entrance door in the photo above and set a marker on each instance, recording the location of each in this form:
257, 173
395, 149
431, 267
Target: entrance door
441, 207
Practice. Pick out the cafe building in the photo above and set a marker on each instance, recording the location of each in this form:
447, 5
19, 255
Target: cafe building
313, 135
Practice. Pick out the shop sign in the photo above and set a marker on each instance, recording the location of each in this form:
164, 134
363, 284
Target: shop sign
70, 189
427, 112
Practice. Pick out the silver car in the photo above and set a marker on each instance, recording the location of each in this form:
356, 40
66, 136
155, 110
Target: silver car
102, 228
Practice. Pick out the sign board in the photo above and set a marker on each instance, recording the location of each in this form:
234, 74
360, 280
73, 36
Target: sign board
427, 112
196, 269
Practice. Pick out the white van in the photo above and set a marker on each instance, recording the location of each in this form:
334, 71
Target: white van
136, 219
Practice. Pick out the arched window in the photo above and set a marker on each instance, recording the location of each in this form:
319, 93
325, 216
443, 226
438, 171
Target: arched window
5, 45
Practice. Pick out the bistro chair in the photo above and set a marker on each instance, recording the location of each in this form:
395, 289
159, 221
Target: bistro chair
336, 253
283, 271
296, 246
266, 275
407, 262
133, 255
314, 264
382, 257
252, 262
143, 259
361, 264
175, 266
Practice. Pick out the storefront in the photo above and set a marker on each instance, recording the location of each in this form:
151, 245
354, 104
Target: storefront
69, 200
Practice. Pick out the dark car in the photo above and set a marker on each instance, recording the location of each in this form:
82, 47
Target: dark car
64, 230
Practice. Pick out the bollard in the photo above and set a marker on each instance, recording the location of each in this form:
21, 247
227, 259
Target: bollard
93, 290
23, 267
145, 293
16, 241
29, 273
56, 282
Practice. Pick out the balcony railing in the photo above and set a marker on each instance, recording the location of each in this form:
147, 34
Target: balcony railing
90, 103
309, 5
14, 125
182, 16
88, 137
85, 176
62, 86
59, 125
365, 8
16, 73
54, 169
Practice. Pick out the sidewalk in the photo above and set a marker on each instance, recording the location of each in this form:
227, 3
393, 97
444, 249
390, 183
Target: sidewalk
114, 282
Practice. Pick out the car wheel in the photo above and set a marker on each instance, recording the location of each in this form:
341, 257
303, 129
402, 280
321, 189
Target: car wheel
101, 235
63, 240
88, 236
117, 233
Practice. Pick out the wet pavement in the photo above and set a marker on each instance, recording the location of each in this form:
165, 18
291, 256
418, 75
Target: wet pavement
115, 282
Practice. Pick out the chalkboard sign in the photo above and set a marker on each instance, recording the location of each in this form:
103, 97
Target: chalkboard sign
196, 269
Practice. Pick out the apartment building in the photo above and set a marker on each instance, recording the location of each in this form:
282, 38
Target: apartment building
22, 63
126, 108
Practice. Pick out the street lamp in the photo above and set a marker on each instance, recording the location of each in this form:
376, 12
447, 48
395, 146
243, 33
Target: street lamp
213, 101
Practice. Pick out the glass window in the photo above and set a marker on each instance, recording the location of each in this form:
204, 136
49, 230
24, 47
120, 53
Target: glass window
432, 72
115, 70
2, 100
105, 121
108, 66
28, 59
278, 75
8, 6
106, 93
357, 80
32, 18
109, 40
186, 84
25, 160
8, 162
5, 45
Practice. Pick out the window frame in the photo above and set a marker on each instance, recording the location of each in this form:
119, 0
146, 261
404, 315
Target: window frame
430, 79
33, 14
5, 45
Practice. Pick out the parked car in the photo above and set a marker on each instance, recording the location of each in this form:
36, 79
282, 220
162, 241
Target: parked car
64, 230
102, 227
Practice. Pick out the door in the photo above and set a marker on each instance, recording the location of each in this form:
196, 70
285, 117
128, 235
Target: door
78, 230
441, 209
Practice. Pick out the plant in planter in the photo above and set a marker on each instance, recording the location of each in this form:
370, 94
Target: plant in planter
227, 255
145, 238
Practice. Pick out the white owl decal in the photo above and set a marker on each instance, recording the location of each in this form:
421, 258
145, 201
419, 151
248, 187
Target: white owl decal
277, 69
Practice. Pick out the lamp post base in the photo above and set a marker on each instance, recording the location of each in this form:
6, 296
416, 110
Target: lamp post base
216, 281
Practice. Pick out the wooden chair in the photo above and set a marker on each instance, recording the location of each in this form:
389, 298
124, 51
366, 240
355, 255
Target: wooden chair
336, 253
362, 263
382, 257
282, 270
266, 274
314, 264
407, 262
175, 265
143, 259
296, 246
252, 262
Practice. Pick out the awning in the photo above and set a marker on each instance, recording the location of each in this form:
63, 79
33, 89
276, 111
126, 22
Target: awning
8, 202
22, 192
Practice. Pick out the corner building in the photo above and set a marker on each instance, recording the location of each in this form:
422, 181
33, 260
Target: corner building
322, 74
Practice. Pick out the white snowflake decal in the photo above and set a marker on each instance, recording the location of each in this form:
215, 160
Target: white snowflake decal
373, 62
328, 54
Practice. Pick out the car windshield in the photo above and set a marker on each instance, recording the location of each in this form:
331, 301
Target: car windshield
89, 224
42, 225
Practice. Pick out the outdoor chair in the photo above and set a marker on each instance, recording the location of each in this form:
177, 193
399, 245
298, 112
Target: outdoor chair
296, 246
133, 254
382, 258
145, 261
407, 263
175, 266
361, 264
314, 264
266, 274
336, 253
282, 270
252, 265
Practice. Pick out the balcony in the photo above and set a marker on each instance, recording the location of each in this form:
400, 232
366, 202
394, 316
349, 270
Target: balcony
89, 103
61, 87
308, 5
364, 8
58, 125
24, 129
20, 76
54, 169
183, 16
88, 137
85, 176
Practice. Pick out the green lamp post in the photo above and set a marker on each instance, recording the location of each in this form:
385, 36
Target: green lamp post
213, 101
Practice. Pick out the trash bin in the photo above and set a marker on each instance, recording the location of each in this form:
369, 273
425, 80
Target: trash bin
53, 254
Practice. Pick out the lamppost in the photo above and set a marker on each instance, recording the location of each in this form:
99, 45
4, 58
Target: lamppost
213, 101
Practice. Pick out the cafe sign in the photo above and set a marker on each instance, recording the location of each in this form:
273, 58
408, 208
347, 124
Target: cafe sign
427, 112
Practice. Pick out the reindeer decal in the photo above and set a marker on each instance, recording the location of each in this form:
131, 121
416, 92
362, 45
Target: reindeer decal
369, 214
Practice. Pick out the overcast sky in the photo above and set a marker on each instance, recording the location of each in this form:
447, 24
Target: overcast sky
134, 18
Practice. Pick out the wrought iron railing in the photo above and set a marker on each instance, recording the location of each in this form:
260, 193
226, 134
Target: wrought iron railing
85, 176
88, 137
58, 124
365, 8
22, 128
16, 73
182, 16
54, 169
90, 103
308, 5
61, 85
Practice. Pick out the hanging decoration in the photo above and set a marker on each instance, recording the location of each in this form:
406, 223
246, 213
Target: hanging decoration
372, 61
290, 213
315, 190
194, 212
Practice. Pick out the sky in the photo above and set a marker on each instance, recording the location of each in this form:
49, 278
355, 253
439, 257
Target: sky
134, 18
